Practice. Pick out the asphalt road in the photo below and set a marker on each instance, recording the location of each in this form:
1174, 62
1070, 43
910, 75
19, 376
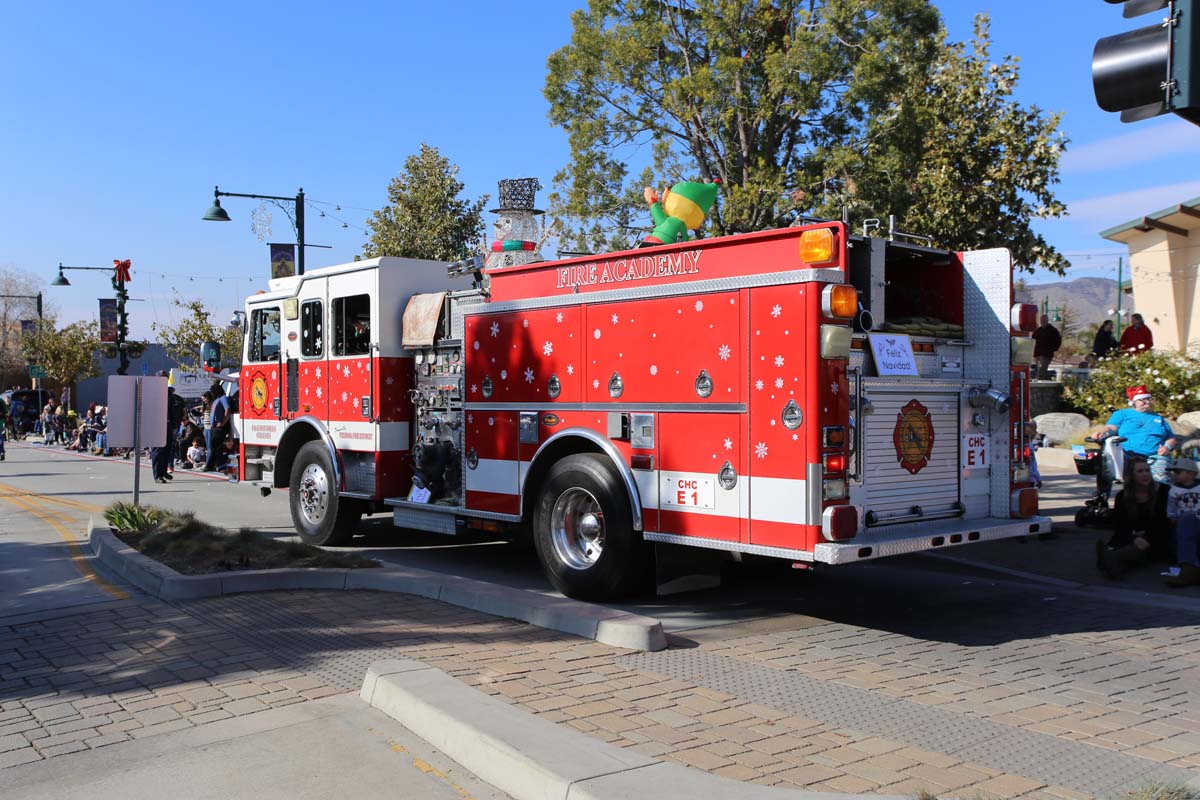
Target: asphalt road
46, 496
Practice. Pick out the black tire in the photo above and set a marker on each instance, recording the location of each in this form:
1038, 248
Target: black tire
321, 517
583, 531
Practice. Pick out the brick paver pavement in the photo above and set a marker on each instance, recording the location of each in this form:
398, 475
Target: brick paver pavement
1031, 695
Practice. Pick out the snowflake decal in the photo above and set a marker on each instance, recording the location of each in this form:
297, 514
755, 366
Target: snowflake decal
390, 380
345, 372
833, 387
760, 449
596, 333
318, 392
491, 421
595, 383
344, 396
306, 392
495, 329
318, 372
758, 385
653, 369
615, 319
779, 383
475, 344
699, 305
728, 444
547, 348
558, 317
503, 374
779, 361
795, 437
524, 323
528, 375
355, 403
570, 369
777, 310
772, 421
723, 351
474, 388
470, 417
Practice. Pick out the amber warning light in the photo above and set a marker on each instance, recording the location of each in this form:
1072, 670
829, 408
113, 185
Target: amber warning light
839, 300
816, 246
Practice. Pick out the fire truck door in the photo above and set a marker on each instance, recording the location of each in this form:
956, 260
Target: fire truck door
353, 328
312, 351
261, 376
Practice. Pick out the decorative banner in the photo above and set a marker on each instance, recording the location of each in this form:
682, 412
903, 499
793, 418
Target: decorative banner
108, 320
283, 260
28, 327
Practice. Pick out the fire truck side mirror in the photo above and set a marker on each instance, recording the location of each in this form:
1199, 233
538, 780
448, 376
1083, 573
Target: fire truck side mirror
210, 356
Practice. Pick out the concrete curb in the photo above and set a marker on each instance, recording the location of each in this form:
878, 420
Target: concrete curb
606, 625
534, 759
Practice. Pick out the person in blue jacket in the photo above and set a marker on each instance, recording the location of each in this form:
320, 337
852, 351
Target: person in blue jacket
1148, 437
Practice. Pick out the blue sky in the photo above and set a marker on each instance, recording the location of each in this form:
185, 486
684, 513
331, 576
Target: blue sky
117, 119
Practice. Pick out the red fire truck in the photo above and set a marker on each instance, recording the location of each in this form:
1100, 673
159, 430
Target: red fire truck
805, 393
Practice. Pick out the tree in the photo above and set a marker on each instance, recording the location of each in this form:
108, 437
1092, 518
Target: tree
958, 159
182, 339
425, 217
12, 311
797, 106
68, 354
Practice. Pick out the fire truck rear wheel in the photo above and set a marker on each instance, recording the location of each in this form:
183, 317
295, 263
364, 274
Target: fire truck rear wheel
321, 517
582, 527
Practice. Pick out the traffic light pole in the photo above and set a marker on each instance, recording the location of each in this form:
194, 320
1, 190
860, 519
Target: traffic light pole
120, 275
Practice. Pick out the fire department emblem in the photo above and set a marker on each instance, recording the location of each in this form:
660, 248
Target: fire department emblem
913, 436
258, 393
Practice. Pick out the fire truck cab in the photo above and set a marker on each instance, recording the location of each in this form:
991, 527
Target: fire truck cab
802, 393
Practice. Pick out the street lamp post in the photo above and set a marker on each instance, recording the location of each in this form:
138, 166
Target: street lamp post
218, 214
120, 271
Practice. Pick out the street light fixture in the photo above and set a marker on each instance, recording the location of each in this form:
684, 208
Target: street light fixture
217, 214
120, 274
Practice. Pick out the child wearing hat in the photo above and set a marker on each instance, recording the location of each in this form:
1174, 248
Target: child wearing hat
1183, 509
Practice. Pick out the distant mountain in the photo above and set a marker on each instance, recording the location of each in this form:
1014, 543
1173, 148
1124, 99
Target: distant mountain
1088, 298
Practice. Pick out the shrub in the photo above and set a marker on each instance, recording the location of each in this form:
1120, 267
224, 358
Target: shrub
1173, 379
128, 517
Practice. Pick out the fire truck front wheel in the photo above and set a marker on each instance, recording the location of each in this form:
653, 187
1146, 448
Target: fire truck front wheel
583, 531
321, 517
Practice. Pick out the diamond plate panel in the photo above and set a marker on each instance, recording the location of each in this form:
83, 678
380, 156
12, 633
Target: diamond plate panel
1058, 761
987, 293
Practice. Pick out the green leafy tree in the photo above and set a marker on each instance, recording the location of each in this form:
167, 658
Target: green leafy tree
67, 354
955, 157
798, 106
182, 339
425, 216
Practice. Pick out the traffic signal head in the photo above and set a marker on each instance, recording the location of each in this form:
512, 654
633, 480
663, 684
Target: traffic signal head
1152, 70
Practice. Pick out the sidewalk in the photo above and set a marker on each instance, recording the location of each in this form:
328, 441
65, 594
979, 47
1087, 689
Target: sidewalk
1017, 698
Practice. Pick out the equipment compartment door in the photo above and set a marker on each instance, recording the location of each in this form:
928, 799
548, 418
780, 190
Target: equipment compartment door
910, 459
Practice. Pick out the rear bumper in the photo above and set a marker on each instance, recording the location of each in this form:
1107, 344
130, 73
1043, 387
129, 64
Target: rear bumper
930, 536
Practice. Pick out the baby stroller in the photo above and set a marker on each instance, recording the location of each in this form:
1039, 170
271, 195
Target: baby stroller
1106, 454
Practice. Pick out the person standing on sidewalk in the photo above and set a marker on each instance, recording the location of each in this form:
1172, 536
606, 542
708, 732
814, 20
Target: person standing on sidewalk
160, 457
3, 425
1183, 509
1047, 340
1137, 338
220, 427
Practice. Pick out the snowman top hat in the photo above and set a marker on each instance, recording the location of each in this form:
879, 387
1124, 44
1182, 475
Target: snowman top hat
517, 194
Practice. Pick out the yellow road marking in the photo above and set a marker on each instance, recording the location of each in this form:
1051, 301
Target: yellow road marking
24, 501
66, 501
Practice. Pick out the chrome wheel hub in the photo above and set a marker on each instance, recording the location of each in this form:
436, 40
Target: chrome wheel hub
314, 494
577, 528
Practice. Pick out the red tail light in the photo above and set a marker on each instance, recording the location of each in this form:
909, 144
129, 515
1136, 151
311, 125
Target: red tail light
840, 523
1024, 317
835, 462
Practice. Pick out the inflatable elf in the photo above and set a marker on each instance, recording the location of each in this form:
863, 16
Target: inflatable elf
682, 209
